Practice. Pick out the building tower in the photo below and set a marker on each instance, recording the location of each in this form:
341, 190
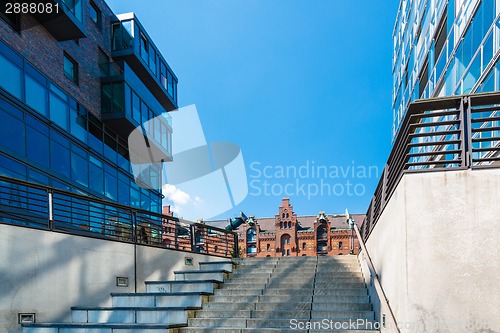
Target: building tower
322, 233
286, 229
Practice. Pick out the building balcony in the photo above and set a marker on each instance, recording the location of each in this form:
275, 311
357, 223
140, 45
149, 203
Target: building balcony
126, 105
131, 43
65, 22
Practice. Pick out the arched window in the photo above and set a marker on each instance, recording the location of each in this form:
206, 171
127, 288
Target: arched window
285, 225
216, 248
281, 225
287, 215
288, 252
252, 249
340, 245
322, 233
251, 235
303, 246
285, 239
268, 247
283, 215
290, 225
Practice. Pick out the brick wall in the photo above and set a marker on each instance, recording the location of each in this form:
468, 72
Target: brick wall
37, 45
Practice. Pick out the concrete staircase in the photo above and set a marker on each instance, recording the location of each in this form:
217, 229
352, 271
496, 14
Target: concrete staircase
289, 294
164, 306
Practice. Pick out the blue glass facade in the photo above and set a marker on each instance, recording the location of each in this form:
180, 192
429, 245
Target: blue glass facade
444, 48
48, 136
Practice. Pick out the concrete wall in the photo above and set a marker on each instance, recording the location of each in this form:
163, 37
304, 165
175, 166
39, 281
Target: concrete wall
437, 253
47, 273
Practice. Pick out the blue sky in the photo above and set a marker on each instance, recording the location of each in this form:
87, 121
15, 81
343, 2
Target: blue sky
293, 83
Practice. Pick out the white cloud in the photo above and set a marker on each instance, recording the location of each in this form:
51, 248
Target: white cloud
180, 199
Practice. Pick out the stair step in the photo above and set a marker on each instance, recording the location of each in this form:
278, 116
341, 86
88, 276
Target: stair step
217, 275
315, 306
207, 286
239, 286
261, 330
263, 323
218, 265
279, 314
98, 328
169, 316
246, 270
186, 299
244, 281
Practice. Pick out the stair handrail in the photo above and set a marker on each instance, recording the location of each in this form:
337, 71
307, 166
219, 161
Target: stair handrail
378, 286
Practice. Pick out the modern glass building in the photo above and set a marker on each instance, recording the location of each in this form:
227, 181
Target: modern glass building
444, 48
73, 86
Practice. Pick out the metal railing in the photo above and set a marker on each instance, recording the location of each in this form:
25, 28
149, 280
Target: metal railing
440, 134
37, 206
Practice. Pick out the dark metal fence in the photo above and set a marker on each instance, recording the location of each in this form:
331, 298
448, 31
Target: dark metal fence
440, 134
37, 206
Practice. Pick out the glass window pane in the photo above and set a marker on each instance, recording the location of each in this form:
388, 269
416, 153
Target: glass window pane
79, 169
152, 59
136, 108
170, 87
37, 177
144, 113
59, 158
78, 125
111, 185
124, 193
36, 95
144, 48
106, 97
157, 129
10, 77
58, 111
118, 98
70, 69
12, 135
96, 176
145, 200
128, 100
11, 168
135, 196
37, 146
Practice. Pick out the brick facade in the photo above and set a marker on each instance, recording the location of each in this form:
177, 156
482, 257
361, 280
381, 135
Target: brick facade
290, 235
35, 43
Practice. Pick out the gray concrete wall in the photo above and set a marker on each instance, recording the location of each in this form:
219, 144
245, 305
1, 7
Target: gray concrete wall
436, 250
47, 273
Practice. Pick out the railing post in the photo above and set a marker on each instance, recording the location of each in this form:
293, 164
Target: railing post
134, 226
384, 186
468, 113
236, 248
193, 240
465, 132
51, 209
176, 240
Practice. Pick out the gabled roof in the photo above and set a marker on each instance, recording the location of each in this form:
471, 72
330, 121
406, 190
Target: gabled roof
267, 224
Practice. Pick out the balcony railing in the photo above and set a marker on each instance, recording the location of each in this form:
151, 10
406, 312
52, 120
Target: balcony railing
131, 43
440, 134
65, 19
37, 206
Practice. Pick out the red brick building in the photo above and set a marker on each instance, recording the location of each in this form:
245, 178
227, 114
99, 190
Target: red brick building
287, 234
